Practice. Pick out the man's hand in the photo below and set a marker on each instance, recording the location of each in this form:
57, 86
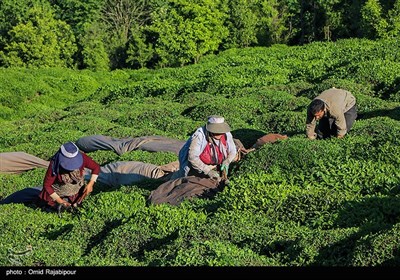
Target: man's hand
213, 174
225, 167
312, 137
89, 187
64, 203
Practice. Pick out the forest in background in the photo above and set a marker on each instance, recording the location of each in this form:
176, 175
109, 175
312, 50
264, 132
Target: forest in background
119, 34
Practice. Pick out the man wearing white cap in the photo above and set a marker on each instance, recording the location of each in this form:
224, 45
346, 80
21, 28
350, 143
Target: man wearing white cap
64, 184
209, 151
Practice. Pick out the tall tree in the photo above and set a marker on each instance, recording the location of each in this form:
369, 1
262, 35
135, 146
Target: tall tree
331, 25
373, 23
140, 53
241, 22
119, 17
274, 26
186, 30
40, 41
93, 53
84, 17
394, 20
12, 13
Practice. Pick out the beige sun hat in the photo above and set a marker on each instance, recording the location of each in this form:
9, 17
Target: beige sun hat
217, 124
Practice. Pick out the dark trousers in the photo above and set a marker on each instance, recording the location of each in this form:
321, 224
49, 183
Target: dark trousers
327, 127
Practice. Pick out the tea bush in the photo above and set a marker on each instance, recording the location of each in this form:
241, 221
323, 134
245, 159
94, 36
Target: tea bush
291, 203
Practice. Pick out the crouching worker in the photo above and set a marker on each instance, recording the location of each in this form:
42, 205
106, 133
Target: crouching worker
64, 184
335, 110
208, 152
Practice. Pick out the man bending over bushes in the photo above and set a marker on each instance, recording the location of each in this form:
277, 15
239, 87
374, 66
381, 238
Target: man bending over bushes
335, 110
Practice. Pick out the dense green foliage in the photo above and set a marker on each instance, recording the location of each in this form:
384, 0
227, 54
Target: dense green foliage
119, 34
292, 203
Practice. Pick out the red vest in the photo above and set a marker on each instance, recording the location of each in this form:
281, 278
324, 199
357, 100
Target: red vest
216, 157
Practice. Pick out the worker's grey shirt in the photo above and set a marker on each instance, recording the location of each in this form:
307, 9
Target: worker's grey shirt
337, 102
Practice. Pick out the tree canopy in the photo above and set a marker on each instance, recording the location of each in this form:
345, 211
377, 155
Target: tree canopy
115, 34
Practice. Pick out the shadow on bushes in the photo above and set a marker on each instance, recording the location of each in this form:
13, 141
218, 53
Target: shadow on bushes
391, 113
372, 216
247, 136
99, 238
62, 231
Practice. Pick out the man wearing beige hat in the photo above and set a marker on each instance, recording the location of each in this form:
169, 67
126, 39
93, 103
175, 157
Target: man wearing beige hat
209, 151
